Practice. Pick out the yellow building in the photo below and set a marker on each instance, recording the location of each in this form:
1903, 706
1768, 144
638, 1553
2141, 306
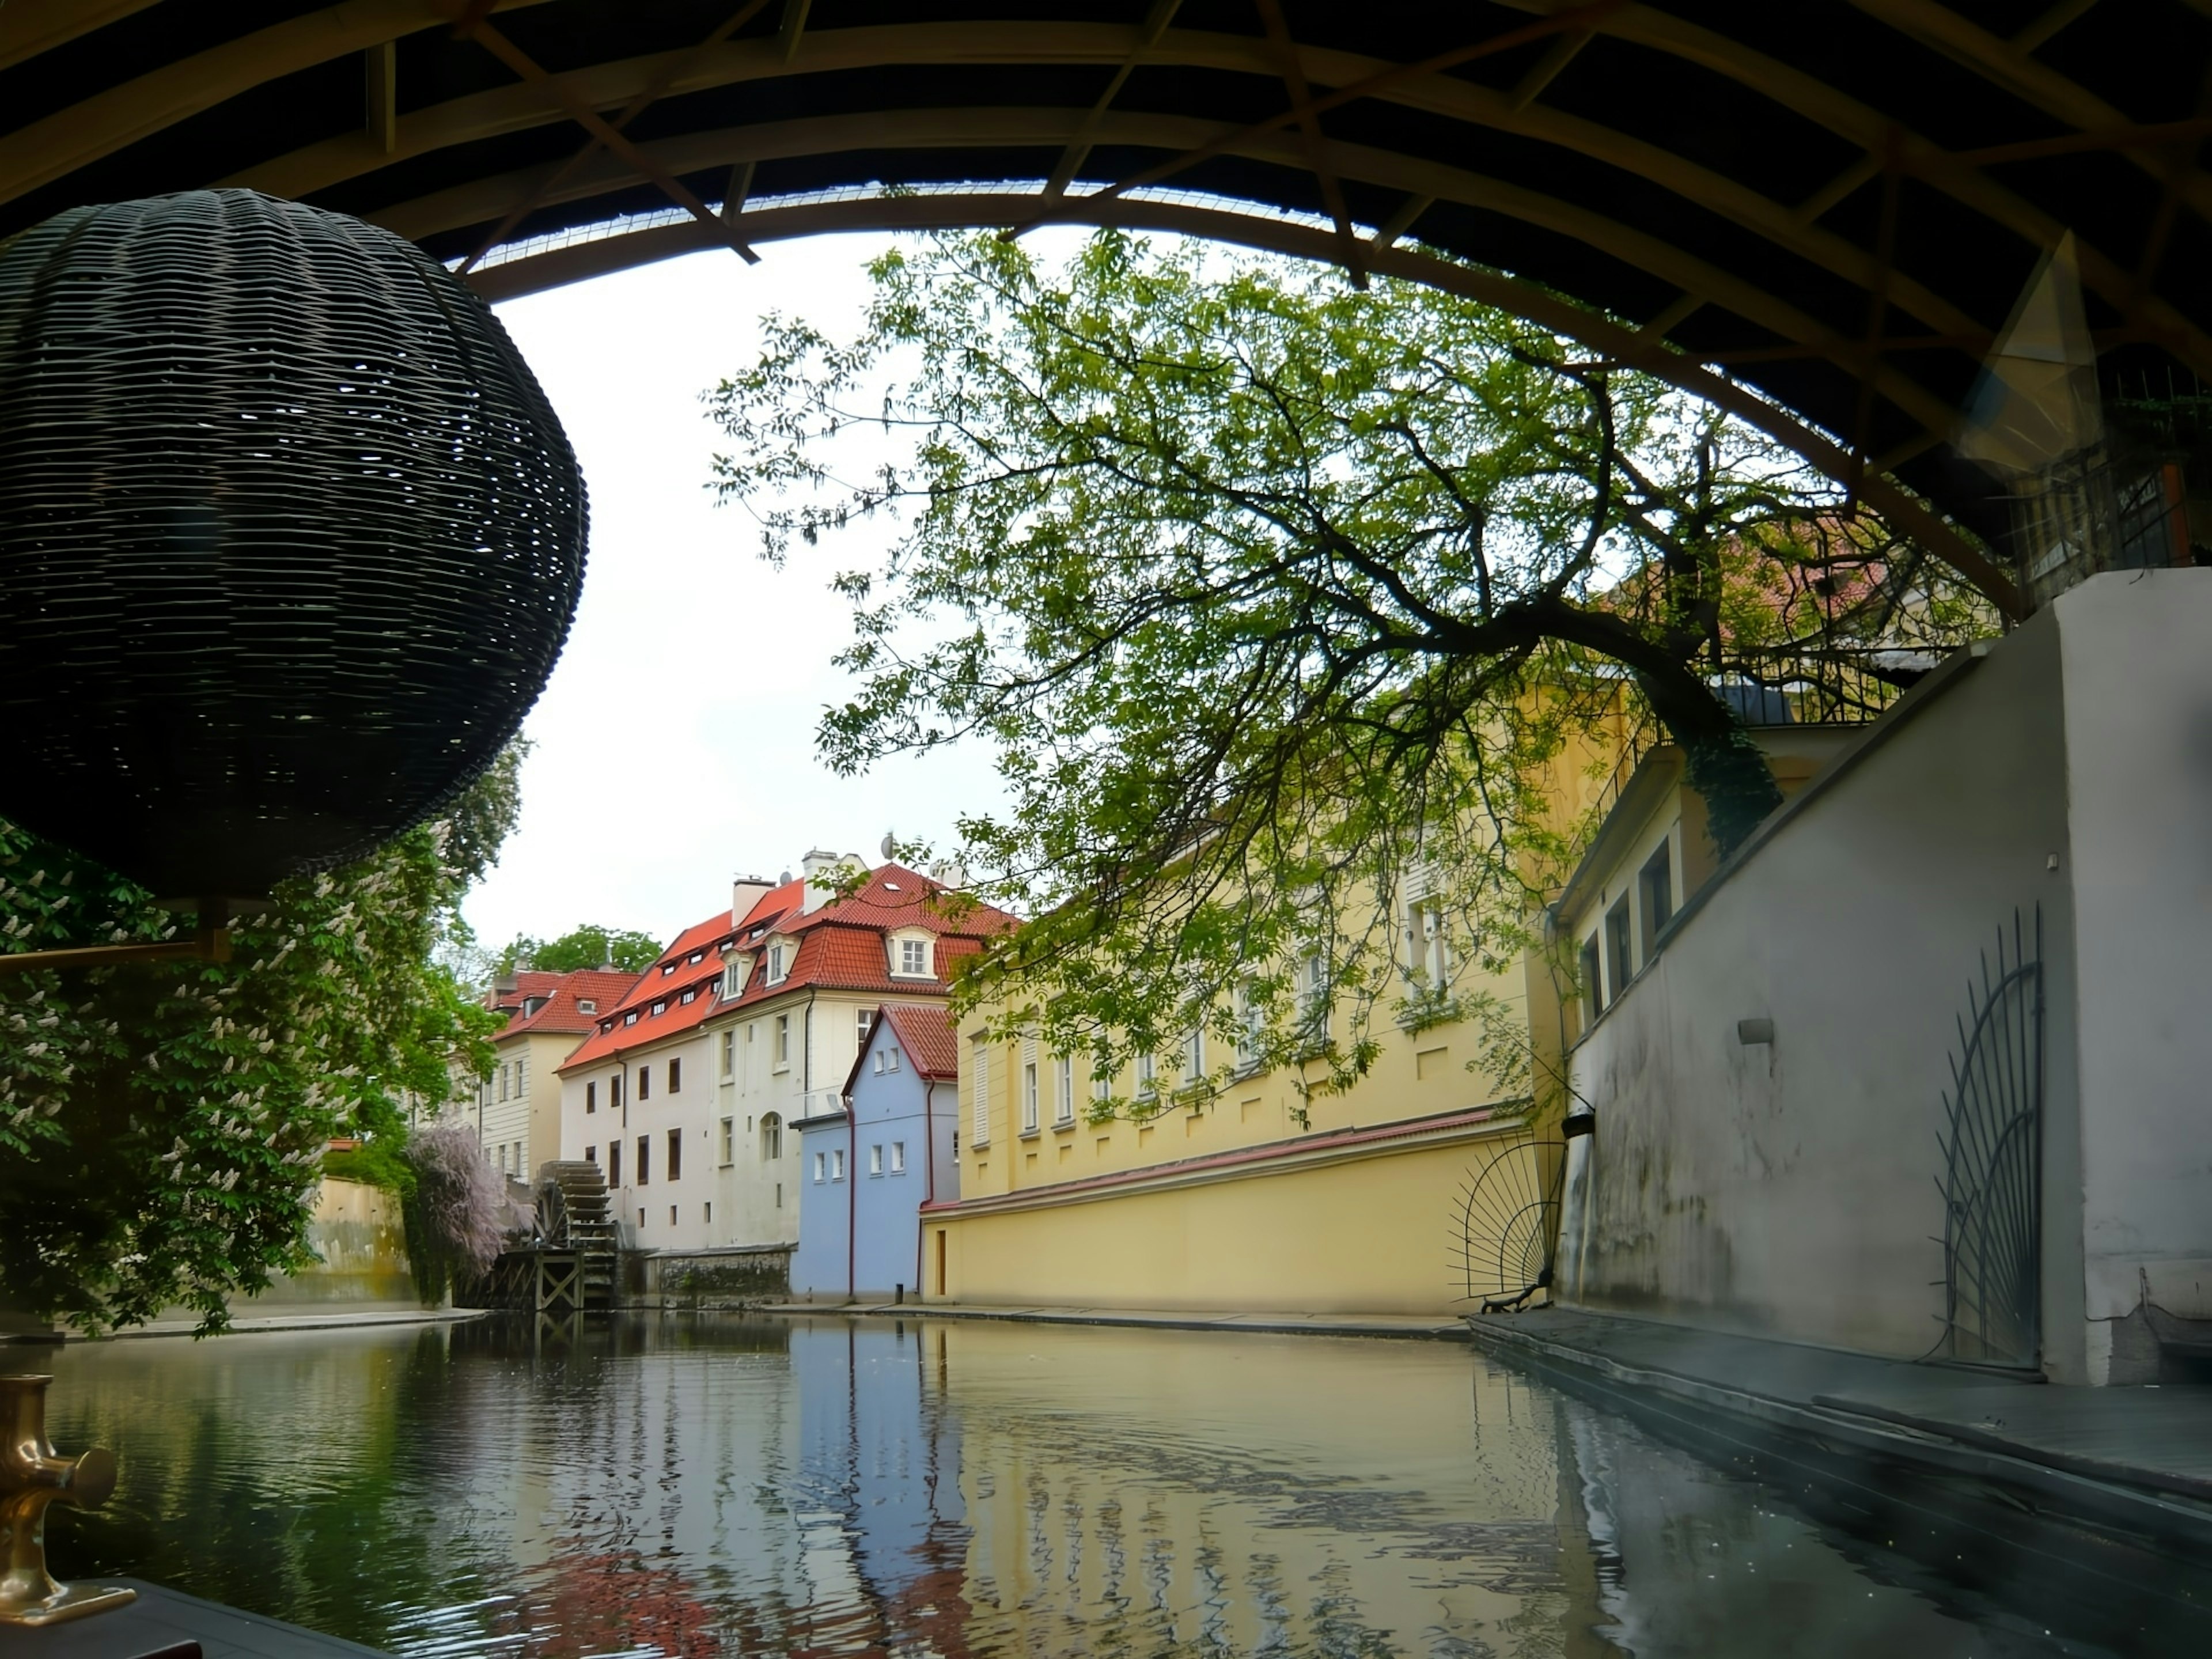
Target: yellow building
1253, 1194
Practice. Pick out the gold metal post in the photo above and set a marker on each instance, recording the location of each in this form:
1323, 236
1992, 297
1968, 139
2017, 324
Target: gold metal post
32, 1476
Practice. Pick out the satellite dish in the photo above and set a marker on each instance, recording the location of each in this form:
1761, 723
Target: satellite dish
888, 843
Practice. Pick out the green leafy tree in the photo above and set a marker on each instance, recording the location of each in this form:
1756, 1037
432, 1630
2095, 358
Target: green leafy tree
162, 1126
1269, 592
587, 947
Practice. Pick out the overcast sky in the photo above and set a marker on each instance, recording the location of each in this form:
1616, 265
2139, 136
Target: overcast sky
675, 745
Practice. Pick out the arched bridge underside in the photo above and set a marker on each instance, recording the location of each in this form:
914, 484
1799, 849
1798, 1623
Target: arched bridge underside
1818, 213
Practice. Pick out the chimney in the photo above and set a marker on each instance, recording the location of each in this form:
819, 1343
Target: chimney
817, 864
503, 990
746, 891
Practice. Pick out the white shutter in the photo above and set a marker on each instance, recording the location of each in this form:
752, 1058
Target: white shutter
979, 1134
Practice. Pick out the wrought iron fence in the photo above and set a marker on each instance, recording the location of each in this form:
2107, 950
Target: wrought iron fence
1992, 1177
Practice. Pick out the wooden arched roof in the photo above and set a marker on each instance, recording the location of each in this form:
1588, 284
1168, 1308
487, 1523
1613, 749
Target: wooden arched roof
1817, 212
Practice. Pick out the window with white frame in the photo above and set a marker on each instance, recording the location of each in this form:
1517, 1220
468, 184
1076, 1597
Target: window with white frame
522, 1077
1147, 1079
1064, 1092
1249, 1018
782, 1040
821, 1167
735, 972
1313, 994
876, 1158
865, 1021
1194, 1057
890, 1057
730, 1054
779, 959
836, 1164
771, 1136
911, 954
729, 1141
898, 1158
1029, 1096
1102, 1085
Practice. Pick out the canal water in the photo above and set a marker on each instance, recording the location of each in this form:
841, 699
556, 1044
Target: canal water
723, 1485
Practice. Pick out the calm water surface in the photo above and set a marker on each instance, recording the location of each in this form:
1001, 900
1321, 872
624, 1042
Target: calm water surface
716, 1486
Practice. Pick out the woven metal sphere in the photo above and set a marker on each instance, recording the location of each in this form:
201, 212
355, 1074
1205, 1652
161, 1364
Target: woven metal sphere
289, 537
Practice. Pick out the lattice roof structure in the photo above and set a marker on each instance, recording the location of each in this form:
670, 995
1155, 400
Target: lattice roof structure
1817, 213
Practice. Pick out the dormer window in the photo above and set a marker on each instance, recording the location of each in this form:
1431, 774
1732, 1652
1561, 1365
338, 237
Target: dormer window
913, 953
779, 962
687, 996
735, 973
631, 1019
667, 969
586, 1006
697, 956
660, 1008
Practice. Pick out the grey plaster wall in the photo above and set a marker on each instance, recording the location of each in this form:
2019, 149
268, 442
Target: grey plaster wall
1789, 1189
2137, 650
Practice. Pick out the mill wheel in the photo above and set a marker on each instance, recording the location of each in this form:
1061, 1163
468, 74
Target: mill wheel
571, 1204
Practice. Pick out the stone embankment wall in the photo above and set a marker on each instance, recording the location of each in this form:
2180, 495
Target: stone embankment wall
358, 1233
739, 1276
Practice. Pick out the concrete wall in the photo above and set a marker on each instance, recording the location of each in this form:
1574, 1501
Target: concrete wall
2137, 651
1789, 1189
1373, 1234
358, 1232
733, 1277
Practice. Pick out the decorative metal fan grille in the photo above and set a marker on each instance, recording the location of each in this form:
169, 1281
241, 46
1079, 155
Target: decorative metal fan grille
1992, 1146
289, 536
1508, 1223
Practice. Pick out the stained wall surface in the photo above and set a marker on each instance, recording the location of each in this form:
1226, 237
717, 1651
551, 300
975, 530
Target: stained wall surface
1789, 1189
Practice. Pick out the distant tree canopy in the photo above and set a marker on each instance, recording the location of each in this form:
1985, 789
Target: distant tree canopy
162, 1126
1275, 596
587, 947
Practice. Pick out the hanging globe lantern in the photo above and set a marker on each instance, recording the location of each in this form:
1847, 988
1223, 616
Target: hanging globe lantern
289, 537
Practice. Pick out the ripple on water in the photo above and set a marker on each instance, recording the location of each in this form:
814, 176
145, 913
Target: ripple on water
725, 1487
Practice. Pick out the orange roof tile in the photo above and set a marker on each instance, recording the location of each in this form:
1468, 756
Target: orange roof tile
559, 1013
841, 947
926, 1032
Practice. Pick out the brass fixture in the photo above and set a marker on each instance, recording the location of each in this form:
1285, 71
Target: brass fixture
32, 1476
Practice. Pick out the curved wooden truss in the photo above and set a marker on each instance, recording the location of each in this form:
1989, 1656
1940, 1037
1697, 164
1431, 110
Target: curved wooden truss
1818, 215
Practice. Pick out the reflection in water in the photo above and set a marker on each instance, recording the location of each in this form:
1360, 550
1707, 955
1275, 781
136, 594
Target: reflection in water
719, 1485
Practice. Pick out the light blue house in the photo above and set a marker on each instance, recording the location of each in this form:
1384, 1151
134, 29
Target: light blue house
866, 1171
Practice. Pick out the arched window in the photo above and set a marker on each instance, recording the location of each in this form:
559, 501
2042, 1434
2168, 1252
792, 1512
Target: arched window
771, 1135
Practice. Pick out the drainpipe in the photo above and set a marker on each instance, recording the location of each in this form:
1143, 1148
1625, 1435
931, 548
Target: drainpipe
852, 1199
929, 1176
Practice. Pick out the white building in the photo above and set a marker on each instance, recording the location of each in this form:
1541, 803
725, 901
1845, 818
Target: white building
688, 1092
515, 1108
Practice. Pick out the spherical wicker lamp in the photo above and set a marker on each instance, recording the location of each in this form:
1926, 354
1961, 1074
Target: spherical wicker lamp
289, 537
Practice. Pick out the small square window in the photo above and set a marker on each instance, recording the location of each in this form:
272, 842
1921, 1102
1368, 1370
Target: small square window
586, 1006
591, 1155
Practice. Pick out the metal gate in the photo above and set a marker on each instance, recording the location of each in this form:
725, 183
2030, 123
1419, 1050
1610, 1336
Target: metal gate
1508, 1224
1992, 1147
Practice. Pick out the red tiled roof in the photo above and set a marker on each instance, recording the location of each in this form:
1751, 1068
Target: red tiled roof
926, 1032
841, 948
562, 991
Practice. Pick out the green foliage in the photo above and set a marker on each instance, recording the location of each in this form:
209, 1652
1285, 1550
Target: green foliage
1287, 608
162, 1126
587, 947
380, 1163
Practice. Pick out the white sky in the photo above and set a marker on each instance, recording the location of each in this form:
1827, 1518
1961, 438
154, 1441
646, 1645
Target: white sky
675, 745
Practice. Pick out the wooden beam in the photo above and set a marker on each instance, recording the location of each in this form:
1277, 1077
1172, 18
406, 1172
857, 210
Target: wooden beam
1387, 234
594, 123
793, 29
1685, 307
2050, 23
1560, 53
1941, 540
77, 137
28, 28
509, 109
1078, 149
653, 90
1001, 129
740, 186
2036, 84
1310, 132
380, 67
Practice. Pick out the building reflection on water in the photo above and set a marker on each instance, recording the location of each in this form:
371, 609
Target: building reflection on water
824, 1486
